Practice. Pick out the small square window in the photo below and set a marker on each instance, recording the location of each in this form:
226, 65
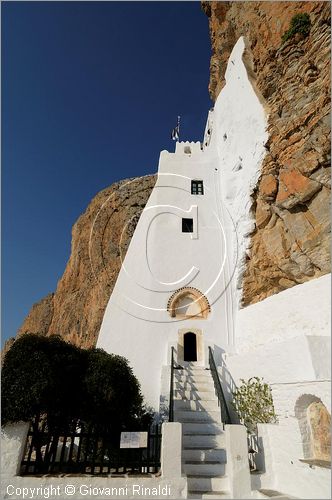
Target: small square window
197, 187
187, 225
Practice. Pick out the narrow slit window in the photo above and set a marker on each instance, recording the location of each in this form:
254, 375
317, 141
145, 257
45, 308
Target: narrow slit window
197, 187
187, 225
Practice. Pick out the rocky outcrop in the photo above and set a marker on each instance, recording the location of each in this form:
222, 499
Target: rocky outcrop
290, 204
100, 239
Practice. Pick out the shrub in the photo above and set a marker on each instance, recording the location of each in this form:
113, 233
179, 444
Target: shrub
300, 23
253, 403
112, 396
47, 376
41, 375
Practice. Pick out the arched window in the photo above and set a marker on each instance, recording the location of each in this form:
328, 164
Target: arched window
188, 302
314, 422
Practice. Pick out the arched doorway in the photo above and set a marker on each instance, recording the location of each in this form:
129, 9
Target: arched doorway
189, 347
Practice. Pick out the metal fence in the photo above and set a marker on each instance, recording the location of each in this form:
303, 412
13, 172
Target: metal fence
82, 450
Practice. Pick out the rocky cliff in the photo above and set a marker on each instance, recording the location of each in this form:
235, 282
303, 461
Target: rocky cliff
100, 239
290, 205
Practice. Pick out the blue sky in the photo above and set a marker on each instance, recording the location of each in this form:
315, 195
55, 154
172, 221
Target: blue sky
90, 93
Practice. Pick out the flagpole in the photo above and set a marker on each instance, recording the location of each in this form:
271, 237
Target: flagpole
179, 127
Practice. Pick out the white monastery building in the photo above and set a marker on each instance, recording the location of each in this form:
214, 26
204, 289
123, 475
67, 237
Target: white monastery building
180, 286
175, 314
178, 282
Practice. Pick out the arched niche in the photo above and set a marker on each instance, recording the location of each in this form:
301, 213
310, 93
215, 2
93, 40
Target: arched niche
188, 302
315, 427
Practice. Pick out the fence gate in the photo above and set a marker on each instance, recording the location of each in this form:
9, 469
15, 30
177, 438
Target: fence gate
81, 450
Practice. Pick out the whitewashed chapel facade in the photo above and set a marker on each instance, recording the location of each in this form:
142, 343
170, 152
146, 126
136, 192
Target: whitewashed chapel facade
183, 264
180, 285
175, 278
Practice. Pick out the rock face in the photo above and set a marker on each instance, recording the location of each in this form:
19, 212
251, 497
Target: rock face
291, 240
100, 239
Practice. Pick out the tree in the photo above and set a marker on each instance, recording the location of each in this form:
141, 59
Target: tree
112, 393
50, 377
253, 403
41, 375
41, 382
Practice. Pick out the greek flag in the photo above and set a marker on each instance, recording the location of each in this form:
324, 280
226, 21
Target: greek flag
176, 131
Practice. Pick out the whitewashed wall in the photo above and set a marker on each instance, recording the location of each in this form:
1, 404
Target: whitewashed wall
298, 311
284, 471
162, 259
286, 340
239, 134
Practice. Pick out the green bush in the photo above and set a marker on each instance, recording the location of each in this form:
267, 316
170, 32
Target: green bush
41, 375
300, 23
253, 403
112, 396
47, 376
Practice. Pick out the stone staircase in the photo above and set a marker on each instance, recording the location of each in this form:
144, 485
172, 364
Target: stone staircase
203, 439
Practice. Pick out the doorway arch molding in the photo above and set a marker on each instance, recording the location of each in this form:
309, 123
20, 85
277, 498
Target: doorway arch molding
197, 297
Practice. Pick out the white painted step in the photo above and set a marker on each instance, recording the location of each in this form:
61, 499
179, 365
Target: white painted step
197, 416
194, 380
209, 495
188, 365
199, 454
194, 386
202, 428
201, 483
197, 377
204, 469
194, 395
265, 493
194, 368
193, 371
203, 441
198, 404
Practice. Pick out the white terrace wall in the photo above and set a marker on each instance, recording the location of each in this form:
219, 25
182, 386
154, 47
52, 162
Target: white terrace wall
286, 340
284, 471
170, 484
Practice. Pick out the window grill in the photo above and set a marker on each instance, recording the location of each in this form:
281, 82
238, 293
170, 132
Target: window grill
197, 187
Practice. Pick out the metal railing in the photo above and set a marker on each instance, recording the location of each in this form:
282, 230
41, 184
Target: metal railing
81, 450
171, 389
253, 450
225, 416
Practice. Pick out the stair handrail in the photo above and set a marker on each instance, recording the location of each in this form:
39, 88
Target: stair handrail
171, 389
225, 416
